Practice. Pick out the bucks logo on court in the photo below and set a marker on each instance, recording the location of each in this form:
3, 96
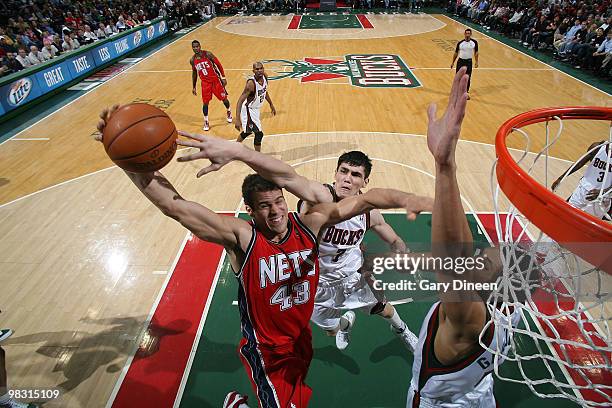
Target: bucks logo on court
364, 70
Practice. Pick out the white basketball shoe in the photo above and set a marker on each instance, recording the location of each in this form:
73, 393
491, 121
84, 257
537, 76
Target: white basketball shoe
343, 337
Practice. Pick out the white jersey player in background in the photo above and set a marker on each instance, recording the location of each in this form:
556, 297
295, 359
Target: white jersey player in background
451, 368
341, 285
249, 106
597, 177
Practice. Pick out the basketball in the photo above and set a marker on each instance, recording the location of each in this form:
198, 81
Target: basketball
140, 138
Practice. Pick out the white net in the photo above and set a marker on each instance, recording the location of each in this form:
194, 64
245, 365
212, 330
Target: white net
561, 346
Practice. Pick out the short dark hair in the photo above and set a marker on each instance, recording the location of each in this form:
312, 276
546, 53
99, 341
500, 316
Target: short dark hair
254, 183
195, 42
468, 29
356, 158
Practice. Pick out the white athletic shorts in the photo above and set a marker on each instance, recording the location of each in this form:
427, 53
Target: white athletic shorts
481, 397
332, 298
596, 208
250, 118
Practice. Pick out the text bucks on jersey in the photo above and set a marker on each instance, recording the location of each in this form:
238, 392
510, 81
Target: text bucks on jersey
340, 248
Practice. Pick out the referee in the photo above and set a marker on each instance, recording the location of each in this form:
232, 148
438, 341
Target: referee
466, 50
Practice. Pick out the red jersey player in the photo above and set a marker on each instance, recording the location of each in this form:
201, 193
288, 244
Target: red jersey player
205, 65
274, 258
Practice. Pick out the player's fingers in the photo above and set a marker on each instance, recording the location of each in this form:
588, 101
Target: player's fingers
187, 143
193, 136
209, 169
456, 82
190, 157
101, 125
411, 216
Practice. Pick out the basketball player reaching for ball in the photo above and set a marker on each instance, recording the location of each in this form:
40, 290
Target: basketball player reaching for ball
205, 65
342, 285
249, 105
274, 258
593, 194
450, 367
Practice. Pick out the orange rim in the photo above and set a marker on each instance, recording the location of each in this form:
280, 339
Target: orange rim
576, 230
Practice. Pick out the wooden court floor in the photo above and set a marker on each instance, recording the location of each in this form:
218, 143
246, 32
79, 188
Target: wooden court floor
83, 256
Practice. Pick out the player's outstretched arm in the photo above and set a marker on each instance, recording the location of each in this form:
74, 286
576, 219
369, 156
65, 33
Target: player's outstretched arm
201, 221
591, 152
221, 151
326, 214
450, 233
385, 232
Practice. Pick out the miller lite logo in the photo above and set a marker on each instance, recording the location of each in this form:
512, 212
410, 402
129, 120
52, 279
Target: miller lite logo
361, 70
150, 32
19, 91
162, 27
137, 38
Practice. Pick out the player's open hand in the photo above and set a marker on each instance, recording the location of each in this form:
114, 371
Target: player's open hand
193, 91
415, 204
443, 133
104, 117
273, 110
218, 151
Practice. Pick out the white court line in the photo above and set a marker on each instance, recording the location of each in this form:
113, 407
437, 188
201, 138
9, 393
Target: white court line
196, 341
270, 136
485, 69
184, 70
87, 92
66, 182
415, 68
29, 139
336, 34
527, 55
146, 324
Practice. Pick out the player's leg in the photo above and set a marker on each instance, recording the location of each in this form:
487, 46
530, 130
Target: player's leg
228, 109
258, 139
206, 98
257, 128
397, 325
221, 94
246, 124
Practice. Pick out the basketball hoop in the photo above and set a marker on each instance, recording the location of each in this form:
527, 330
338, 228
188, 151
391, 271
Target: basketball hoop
557, 274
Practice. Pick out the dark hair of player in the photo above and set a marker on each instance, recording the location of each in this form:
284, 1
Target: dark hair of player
356, 158
195, 42
254, 183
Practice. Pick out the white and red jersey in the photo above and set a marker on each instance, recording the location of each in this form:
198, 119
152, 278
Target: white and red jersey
277, 285
208, 67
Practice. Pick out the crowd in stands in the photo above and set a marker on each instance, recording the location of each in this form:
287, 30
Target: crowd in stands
35, 31
575, 32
